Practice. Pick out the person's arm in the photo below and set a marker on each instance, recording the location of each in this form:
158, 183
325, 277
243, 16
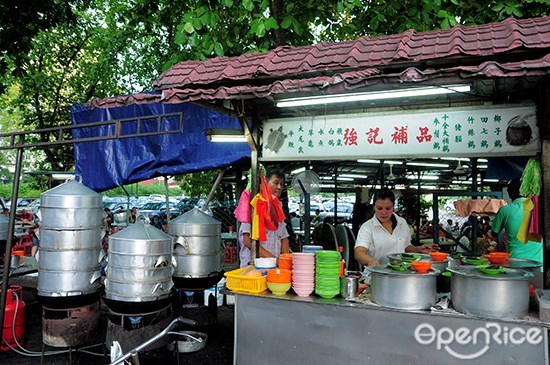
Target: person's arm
362, 257
263, 252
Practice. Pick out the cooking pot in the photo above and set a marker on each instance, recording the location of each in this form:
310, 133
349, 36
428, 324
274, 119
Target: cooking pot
505, 295
531, 266
402, 289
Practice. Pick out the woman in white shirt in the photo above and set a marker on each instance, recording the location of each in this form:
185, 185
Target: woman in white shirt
385, 233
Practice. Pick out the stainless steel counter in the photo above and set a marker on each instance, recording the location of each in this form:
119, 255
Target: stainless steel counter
293, 330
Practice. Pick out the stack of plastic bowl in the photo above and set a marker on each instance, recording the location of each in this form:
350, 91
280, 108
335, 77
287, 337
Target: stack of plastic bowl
285, 261
303, 273
327, 274
279, 281
311, 248
265, 263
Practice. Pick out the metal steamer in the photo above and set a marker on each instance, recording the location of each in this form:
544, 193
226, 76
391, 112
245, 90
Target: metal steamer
139, 269
402, 289
505, 295
4, 223
70, 245
197, 250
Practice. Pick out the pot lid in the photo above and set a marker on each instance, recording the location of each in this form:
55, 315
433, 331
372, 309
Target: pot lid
385, 270
140, 231
70, 189
194, 216
507, 274
521, 263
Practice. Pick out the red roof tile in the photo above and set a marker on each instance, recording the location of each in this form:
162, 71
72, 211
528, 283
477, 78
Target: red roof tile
400, 50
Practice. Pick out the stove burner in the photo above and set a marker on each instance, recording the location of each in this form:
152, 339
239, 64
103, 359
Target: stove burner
131, 330
70, 327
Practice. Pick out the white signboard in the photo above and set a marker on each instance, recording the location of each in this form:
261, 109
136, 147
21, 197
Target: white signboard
471, 132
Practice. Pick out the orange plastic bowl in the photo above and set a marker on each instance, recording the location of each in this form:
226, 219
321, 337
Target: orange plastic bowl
497, 257
279, 276
285, 261
438, 256
421, 267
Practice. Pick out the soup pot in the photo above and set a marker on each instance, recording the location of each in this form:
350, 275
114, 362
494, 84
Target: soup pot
505, 295
402, 289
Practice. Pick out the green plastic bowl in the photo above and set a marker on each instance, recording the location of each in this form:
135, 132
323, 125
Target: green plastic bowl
409, 257
492, 270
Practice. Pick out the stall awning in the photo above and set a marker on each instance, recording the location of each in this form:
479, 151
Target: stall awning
106, 164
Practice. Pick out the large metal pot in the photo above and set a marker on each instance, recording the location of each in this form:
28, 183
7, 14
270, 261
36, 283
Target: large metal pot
505, 295
197, 244
402, 289
531, 266
139, 266
71, 205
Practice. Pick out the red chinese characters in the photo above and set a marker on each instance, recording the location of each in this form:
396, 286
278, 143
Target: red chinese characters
350, 137
372, 136
424, 135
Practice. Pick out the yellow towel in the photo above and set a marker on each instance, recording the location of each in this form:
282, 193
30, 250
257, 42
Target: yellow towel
523, 230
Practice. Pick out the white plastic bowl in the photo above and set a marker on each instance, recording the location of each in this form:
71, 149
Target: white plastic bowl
265, 262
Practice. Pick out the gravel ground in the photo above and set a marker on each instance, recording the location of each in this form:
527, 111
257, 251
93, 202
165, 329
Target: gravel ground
219, 348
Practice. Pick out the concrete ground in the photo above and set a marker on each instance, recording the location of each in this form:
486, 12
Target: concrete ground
218, 350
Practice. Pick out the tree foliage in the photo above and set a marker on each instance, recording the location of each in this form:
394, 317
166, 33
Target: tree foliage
56, 53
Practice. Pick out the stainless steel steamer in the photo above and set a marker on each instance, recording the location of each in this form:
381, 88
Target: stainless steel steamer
139, 267
197, 250
70, 243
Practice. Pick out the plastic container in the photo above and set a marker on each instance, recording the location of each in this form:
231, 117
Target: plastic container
247, 284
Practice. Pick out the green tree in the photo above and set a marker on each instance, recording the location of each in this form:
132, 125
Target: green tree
71, 51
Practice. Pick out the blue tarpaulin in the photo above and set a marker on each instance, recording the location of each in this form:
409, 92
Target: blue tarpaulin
107, 164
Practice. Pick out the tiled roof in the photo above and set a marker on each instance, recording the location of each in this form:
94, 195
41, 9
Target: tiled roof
386, 52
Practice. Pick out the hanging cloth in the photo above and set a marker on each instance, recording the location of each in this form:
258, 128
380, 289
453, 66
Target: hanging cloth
258, 219
523, 230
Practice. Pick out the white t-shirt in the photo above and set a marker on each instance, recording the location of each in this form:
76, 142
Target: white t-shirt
379, 242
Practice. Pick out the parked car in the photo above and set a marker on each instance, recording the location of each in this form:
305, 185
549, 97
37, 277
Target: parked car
155, 212
344, 212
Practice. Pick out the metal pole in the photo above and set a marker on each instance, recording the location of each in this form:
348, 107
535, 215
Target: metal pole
9, 243
167, 199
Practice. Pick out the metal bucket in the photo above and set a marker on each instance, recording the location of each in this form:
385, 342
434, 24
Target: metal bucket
402, 290
505, 295
197, 244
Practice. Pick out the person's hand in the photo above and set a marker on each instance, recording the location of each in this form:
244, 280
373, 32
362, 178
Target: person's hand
373, 262
426, 248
